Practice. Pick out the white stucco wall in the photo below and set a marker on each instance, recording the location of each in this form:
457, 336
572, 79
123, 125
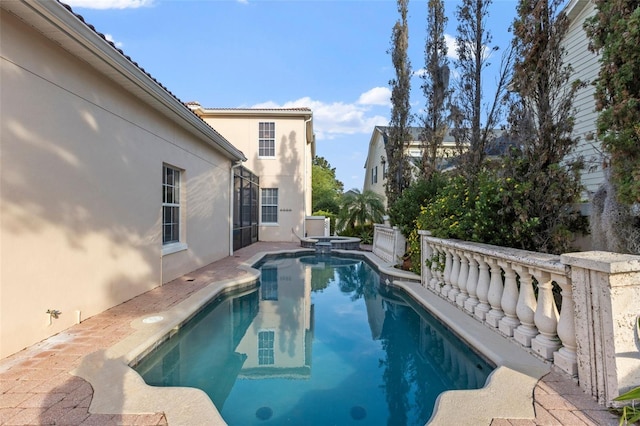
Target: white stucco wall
80, 191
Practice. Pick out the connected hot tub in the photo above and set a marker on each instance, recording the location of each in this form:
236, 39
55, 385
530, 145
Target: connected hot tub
326, 244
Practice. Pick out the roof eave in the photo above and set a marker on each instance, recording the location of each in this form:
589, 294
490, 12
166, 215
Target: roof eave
59, 24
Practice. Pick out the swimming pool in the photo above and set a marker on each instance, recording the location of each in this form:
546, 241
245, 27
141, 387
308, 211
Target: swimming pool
320, 341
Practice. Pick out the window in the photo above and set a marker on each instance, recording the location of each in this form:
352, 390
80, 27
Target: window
170, 205
269, 283
266, 139
265, 347
374, 175
270, 205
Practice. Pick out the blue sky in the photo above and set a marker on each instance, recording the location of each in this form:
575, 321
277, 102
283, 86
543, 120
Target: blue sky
328, 55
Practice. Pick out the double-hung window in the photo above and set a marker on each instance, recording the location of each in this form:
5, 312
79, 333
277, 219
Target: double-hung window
269, 205
266, 139
374, 175
170, 205
266, 346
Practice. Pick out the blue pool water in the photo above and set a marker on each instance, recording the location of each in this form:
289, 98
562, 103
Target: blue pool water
321, 341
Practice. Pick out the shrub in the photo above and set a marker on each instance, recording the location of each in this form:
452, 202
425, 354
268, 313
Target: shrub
404, 212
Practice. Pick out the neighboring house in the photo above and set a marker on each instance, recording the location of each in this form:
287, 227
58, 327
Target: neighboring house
109, 185
280, 146
376, 164
585, 66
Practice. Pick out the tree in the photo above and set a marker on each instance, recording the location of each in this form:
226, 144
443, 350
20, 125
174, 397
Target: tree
615, 33
399, 172
541, 125
359, 209
325, 188
473, 40
435, 87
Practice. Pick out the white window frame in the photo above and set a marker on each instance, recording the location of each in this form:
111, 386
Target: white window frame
265, 352
266, 139
172, 195
267, 201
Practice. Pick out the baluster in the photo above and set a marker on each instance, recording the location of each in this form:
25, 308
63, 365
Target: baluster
526, 308
495, 294
444, 290
455, 273
471, 281
545, 318
435, 266
483, 303
462, 280
475, 276
426, 253
509, 300
565, 358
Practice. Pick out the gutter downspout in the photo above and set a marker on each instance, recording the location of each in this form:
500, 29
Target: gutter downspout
231, 184
304, 197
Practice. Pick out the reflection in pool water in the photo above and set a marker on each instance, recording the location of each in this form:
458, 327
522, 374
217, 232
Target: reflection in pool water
321, 341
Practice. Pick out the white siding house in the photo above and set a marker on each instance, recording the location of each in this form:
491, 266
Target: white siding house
585, 66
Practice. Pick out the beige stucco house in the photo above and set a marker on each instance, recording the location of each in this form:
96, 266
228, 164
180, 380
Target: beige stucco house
280, 146
109, 185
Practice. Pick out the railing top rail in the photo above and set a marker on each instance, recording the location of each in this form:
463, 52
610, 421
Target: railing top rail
543, 261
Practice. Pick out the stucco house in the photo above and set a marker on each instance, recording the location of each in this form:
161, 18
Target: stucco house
280, 145
109, 184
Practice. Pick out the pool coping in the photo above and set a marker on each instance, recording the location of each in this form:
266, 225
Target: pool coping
120, 389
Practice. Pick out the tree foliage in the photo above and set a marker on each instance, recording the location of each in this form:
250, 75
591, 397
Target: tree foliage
359, 208
435, 87
326, 190
615, 34
399, 171
541, 118
467, 111
541, 124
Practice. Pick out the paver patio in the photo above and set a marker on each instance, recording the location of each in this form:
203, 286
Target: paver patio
36, 387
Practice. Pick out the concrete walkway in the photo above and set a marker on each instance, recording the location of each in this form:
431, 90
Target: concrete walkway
36, 387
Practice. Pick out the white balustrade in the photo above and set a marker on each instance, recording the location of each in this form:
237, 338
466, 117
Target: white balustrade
496, 286
388, 243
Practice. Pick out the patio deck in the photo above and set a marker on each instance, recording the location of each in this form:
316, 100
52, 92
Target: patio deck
36, 387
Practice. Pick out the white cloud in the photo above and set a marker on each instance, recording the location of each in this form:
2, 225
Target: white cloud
243, 1
331, 120
376, 96
452, 46
109, 4
118, 44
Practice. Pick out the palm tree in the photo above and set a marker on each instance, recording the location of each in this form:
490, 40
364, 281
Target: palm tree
359, 209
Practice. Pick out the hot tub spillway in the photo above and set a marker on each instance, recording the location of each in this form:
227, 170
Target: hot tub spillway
324, 245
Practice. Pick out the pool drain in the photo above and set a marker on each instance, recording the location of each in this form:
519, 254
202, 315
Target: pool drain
264, 413
358, 413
